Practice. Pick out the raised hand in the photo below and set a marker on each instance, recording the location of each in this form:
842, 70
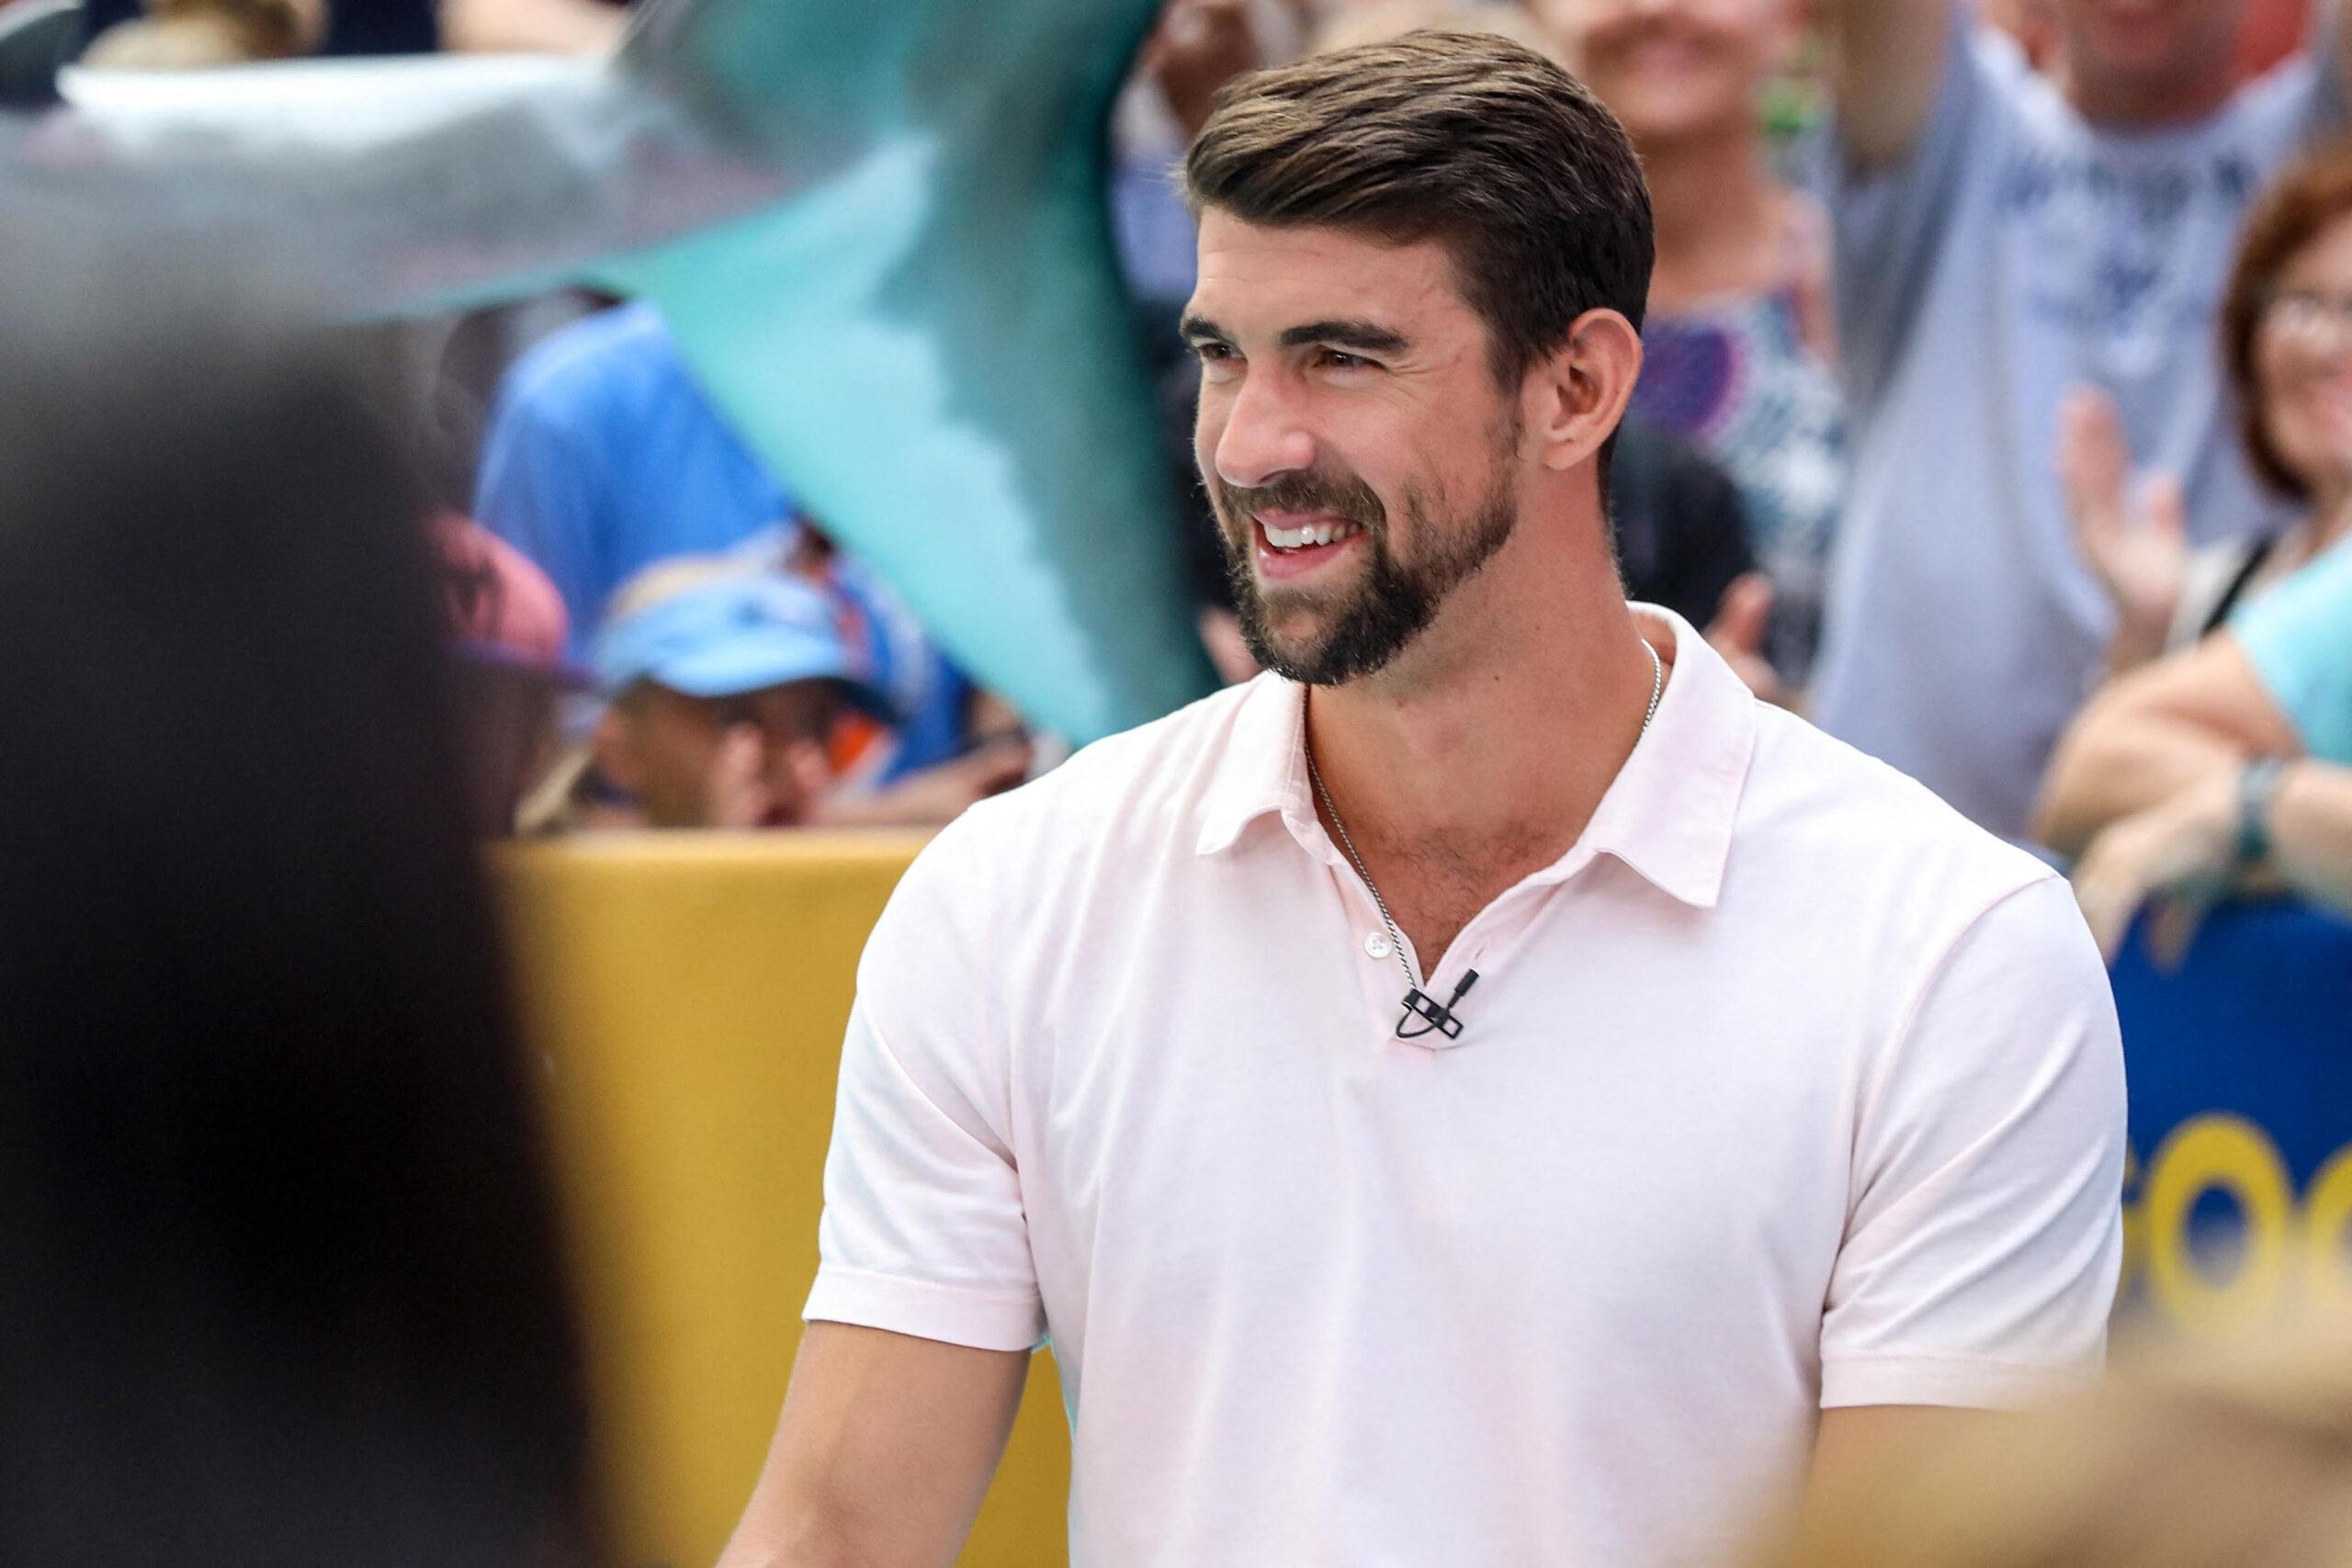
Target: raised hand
756, 781
2138, 552
735, 791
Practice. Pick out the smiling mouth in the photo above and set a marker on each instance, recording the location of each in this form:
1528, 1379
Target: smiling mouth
1307, 536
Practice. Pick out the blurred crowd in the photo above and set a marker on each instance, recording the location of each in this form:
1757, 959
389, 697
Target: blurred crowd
1996, 411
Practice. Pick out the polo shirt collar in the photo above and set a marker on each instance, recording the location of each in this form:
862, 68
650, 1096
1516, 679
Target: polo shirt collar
1262, 768
1668, 814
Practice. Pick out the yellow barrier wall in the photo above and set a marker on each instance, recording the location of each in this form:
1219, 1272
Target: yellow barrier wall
688, 996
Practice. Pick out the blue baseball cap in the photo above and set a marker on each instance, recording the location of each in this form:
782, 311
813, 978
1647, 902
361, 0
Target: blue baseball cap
731, 637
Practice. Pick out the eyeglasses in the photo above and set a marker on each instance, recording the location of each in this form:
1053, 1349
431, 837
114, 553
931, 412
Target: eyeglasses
2310, 318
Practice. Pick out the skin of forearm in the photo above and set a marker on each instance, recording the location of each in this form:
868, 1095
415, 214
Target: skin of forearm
2311, 832
813, 1531
1886, 60
2134, 646
2107, 771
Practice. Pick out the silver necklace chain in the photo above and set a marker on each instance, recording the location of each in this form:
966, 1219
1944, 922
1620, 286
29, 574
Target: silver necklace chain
1395, 937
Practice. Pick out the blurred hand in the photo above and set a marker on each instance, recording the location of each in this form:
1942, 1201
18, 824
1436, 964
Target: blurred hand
1738, 630
2181, 856
939, 795
2139, 555
1199, 46
747, 788
735, 793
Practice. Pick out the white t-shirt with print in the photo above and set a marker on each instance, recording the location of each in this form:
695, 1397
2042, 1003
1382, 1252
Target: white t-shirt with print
2017, 252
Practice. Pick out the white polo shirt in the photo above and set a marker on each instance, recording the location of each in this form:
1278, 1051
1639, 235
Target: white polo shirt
1785, 1087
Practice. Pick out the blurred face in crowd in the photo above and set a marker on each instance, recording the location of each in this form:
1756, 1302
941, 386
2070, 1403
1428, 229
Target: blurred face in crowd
756, 760
1673, 69
2151, 53
1360, 458
2302, 363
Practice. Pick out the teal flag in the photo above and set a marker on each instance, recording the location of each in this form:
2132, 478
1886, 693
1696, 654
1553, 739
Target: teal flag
875, 226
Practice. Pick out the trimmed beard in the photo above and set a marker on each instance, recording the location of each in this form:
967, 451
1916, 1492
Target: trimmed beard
1394, 603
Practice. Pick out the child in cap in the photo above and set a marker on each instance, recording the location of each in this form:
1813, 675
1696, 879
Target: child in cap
722, 683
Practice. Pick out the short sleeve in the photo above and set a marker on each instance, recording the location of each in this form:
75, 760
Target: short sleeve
924, 1230
2299, 638
1984, 1234
1890, 226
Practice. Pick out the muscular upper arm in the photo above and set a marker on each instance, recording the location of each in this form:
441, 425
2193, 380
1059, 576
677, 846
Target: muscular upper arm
885, 1450
1887, 64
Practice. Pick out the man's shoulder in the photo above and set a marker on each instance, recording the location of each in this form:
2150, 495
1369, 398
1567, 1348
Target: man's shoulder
1835, 807
593, 366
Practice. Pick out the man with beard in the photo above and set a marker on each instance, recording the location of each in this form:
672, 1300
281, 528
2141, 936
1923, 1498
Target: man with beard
1488, 1090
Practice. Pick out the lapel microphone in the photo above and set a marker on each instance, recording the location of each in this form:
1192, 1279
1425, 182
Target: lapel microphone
1437, 1018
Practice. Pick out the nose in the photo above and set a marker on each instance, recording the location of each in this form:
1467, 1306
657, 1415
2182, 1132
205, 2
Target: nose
1262, 435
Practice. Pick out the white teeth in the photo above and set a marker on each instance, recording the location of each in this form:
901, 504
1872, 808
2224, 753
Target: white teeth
1315, 534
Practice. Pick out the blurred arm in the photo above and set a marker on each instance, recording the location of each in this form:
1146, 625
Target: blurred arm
884, 1452
1887, 60
2311, 832
2151, 735
1851, 1450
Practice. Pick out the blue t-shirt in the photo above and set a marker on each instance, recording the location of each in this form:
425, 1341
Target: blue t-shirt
2299, 637
604, 456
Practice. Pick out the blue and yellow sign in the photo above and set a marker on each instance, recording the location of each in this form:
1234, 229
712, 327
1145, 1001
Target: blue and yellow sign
2238, 1197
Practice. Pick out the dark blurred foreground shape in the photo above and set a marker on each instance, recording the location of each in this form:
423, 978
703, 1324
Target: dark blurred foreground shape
280, 1281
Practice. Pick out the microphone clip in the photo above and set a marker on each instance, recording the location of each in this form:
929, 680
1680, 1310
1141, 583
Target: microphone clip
1437, 1018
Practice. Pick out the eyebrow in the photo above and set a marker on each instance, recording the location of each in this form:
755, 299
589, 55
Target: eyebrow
1361, 335
1345, 335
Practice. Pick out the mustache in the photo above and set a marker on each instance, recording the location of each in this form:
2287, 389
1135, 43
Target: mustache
1347, 497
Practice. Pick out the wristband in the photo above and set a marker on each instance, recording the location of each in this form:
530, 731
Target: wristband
2257, 783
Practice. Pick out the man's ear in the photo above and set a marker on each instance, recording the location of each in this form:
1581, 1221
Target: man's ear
614, 744
1579, 393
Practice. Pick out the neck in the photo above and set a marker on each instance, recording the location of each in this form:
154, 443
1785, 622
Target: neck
1717, 209
2128, 103
1507, 720
2330, 518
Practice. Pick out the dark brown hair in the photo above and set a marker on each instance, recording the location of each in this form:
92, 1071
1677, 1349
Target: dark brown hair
1464, 138
2301, 205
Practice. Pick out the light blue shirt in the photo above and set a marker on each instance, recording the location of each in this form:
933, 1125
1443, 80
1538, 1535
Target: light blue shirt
2299, 637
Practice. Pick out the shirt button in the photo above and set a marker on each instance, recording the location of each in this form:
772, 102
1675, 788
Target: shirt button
1376, 945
